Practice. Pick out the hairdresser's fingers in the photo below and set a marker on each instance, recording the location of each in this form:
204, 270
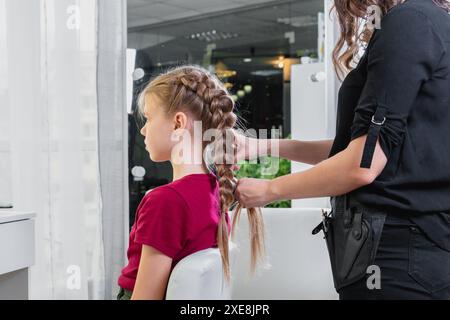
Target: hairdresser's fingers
224, 153
234, 183
240, 196
237, 195
241, 144
252, 193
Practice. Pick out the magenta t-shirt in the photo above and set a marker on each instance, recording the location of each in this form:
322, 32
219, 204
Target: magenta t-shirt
177, 219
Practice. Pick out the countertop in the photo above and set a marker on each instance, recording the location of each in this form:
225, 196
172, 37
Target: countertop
9, 215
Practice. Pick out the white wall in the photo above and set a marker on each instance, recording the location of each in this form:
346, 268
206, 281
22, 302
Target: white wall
332, 82
308, 117
5, 123
314, 104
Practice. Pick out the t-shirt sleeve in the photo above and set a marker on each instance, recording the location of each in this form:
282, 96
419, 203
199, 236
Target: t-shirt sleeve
162, 220
402, 55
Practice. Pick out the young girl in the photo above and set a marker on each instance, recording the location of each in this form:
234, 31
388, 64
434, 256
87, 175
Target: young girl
191, 213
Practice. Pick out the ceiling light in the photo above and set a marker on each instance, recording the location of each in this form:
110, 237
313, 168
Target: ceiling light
211, 35
225, 73
266, 73
299, 21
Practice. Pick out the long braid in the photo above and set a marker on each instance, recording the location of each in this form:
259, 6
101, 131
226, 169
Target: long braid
223, 118
219, 114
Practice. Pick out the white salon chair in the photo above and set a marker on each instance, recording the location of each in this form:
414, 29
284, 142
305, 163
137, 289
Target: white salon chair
199, 276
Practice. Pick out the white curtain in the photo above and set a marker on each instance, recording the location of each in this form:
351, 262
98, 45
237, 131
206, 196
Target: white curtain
113, 136
49, 151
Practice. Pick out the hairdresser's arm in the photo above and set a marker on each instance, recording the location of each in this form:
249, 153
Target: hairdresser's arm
153, 275
337, 175
310, 152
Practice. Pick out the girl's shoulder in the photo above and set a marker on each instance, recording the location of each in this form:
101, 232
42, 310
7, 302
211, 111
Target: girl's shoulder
162, 202
195, 183
196, 192
162, 194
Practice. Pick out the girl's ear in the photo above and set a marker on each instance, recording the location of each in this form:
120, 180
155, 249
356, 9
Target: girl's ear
180, 120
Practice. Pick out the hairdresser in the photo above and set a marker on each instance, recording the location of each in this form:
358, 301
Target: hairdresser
387, 171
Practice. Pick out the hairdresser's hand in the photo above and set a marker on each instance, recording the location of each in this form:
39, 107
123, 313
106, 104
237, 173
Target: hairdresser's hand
248, 148
254, 193
232, 151
242, 145
238, 143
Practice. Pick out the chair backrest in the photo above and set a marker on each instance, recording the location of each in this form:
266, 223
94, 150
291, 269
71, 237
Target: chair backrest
199, 276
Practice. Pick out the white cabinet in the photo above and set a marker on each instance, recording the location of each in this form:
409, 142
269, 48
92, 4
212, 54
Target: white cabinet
16, 253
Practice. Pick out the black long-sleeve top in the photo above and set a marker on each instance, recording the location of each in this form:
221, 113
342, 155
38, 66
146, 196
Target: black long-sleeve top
399, 92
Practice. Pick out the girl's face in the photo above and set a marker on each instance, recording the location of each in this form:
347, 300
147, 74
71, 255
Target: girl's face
157, 130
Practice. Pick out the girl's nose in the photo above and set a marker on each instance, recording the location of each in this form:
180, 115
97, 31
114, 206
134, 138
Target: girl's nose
143, 131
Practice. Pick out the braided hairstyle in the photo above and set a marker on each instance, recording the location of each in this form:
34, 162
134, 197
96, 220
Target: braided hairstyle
196, 91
